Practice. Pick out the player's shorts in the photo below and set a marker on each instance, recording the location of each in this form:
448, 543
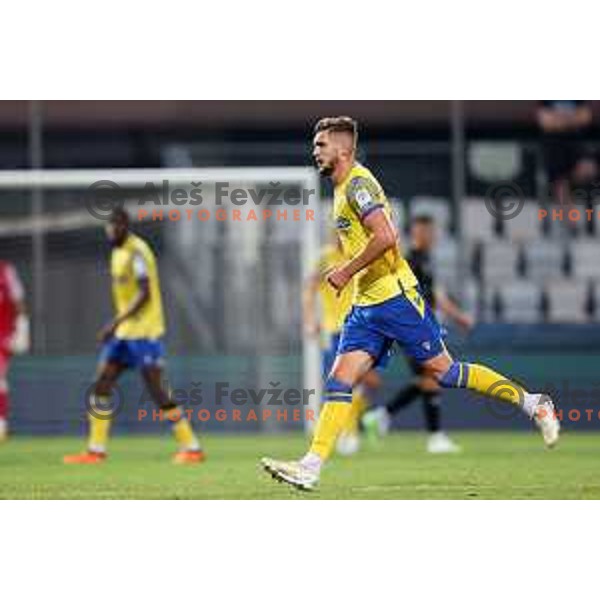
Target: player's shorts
408, 322
133, 354
329, 353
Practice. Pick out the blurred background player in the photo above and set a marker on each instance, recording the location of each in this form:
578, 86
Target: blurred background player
324, 311
420, 259
133, 340
14, 332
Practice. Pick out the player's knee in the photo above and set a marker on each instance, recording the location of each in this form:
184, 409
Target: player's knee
336, 390
103, 387
161, 398
350, 369
341, 374
428, 383
455, 376
371, 380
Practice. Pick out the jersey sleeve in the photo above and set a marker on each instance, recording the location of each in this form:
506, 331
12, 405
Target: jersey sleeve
140, 266
15, 287
363, 196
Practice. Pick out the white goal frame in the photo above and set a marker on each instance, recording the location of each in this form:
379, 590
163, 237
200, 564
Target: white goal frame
35, 223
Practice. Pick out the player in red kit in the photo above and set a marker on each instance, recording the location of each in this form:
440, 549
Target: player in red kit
14, 332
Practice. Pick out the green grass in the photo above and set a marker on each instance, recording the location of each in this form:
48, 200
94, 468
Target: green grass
492, 465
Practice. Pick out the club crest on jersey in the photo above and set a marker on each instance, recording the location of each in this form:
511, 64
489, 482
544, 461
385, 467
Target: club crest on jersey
364, 200
363, 193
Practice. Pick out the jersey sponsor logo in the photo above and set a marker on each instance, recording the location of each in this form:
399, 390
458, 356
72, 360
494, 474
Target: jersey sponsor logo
342, 223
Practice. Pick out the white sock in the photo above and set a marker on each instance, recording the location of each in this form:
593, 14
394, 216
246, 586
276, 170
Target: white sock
97, 449
530, 404
193, 447
312, 461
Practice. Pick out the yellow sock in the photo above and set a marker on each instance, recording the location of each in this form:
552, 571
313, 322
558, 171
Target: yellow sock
100, 421
182, 430
357, 408
331, 421
486, 381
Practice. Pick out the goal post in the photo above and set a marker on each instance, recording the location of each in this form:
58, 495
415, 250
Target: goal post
224, 255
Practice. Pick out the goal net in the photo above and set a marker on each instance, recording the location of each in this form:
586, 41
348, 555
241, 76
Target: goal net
234, 247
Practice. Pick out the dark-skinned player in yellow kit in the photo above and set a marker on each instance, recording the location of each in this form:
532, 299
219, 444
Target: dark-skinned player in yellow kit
133, 340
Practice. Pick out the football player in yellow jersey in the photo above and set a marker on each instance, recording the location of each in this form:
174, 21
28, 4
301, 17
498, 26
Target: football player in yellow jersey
327, 322
133, 339
387, 308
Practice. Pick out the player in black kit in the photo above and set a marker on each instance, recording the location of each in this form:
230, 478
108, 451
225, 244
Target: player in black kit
377, 421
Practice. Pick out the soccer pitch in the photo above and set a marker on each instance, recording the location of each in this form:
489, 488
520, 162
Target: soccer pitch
492, 465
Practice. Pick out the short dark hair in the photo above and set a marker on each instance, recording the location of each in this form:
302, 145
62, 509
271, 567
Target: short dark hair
423, 220
119, 214
339, 125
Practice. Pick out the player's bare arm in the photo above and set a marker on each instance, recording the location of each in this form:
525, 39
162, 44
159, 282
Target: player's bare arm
20, 342
383, 237
449, 308
140, 300
309, 304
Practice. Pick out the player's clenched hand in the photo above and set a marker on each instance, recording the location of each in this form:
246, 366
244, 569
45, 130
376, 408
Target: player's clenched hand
467, 323
338, 278
107, 331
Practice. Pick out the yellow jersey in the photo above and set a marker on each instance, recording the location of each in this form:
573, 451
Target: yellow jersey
334, 308
354, 198
129, 263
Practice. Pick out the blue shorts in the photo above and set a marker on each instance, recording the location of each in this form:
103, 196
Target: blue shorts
134, 354
375, 328
329, 353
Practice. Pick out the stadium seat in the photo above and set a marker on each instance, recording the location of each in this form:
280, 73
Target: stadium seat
563, 230
445, 261
399, 215
526, 225
499, 262
595, 299
469, 297
544, 259
567, 301
585, 259
477, 222
520, 301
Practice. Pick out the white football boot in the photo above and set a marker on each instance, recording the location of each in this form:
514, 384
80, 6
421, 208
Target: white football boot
440, 443
291, 472
545, 418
